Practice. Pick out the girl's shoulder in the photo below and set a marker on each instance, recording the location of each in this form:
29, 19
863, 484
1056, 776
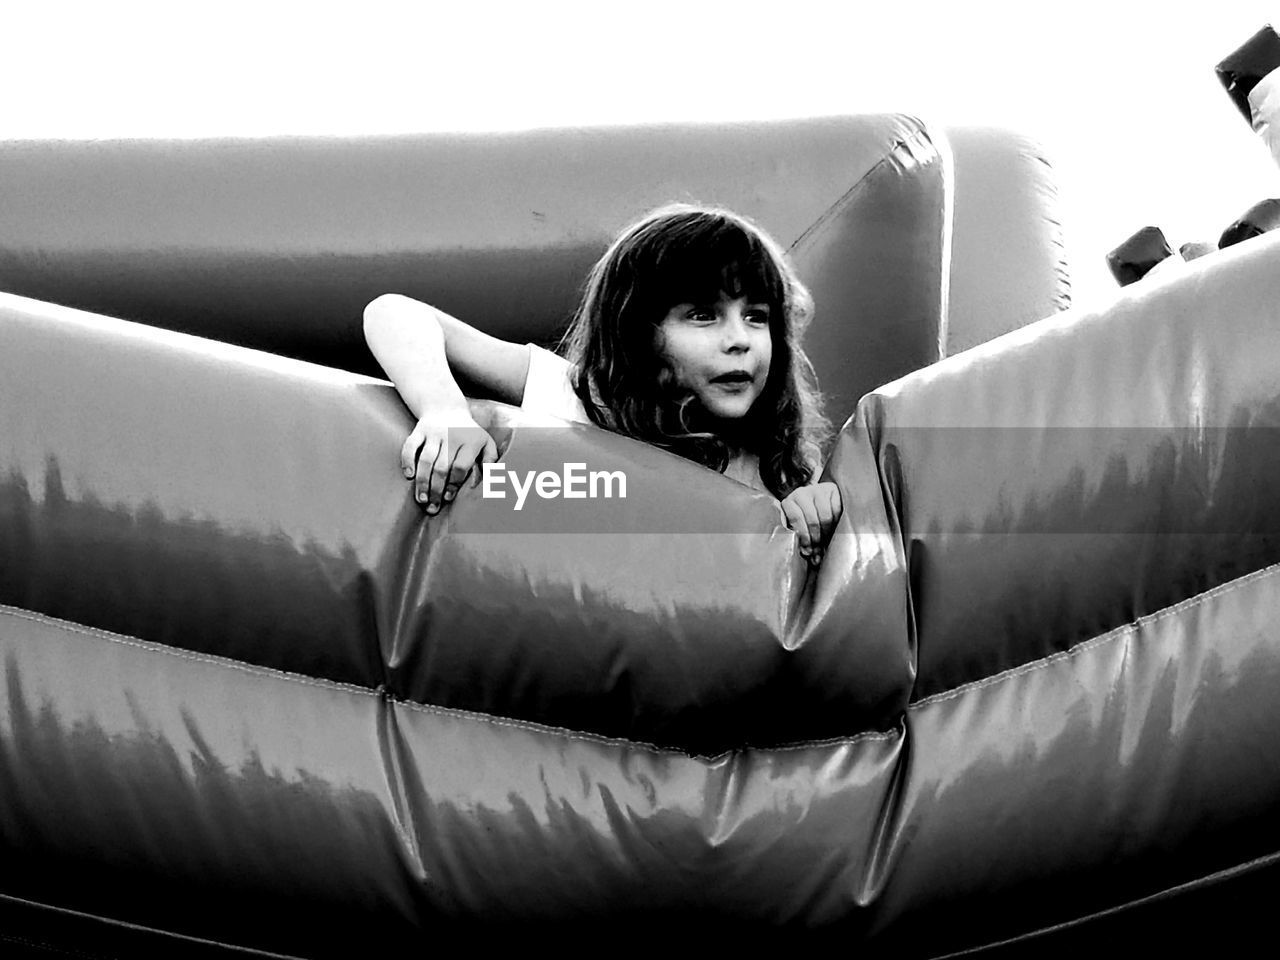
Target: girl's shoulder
548, 387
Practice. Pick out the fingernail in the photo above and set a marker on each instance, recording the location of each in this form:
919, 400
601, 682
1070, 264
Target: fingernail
433, 508
408, 472
448, 495
422, 496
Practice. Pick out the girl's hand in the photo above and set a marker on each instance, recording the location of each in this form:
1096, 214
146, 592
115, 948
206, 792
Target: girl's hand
812, 512
440, 453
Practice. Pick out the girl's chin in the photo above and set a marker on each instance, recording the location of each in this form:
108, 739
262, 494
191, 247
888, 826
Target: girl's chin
724, 414
728, 411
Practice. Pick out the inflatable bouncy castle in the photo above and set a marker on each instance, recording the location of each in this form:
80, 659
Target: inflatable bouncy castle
255, 701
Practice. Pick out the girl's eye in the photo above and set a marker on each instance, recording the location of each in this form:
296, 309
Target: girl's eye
700, 315
758, 317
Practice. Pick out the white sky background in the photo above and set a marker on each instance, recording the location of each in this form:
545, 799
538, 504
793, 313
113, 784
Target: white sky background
1122, 94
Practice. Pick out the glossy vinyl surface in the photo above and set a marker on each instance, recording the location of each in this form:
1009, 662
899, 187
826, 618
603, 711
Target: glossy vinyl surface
212, 776
1072, 476
148, 784
223, 795
1137, 762
278, 243
293, 543
1008, 260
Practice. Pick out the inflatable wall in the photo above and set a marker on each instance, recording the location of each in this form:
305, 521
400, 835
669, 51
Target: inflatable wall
255, 700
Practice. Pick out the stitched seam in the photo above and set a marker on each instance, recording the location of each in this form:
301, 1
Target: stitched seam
1189, 886
1121, 631
207, 658
127, 925
917, 138
584, 737
446, 712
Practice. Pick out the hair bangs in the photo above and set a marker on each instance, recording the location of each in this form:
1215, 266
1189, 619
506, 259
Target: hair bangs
718, 256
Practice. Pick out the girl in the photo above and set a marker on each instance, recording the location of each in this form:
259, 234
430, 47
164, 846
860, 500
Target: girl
687, 336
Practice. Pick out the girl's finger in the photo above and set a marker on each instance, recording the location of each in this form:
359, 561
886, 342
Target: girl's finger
826, 517
837, 505
426, 466
835, 508
409, 453
804, 503
440, 477
810, 510
463, 459
796, 521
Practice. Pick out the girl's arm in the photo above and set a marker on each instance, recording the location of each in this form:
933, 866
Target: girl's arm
420, 349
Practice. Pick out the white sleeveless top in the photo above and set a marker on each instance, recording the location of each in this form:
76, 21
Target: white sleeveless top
548, 391
547, 388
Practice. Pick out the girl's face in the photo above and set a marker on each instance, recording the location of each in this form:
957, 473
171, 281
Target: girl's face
720, 351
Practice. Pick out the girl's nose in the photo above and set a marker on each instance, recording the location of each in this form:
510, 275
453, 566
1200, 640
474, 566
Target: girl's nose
736, 333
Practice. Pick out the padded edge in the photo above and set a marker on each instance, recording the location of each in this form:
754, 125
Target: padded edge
1008, 258
278, 243
1068, 477
199, 796
876, 265
202, 797
220, 500
1136, 764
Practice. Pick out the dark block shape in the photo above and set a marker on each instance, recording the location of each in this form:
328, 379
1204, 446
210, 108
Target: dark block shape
1258, 219
1253, 60
1133, 259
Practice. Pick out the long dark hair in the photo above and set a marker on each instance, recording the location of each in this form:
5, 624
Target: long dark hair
688, 254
